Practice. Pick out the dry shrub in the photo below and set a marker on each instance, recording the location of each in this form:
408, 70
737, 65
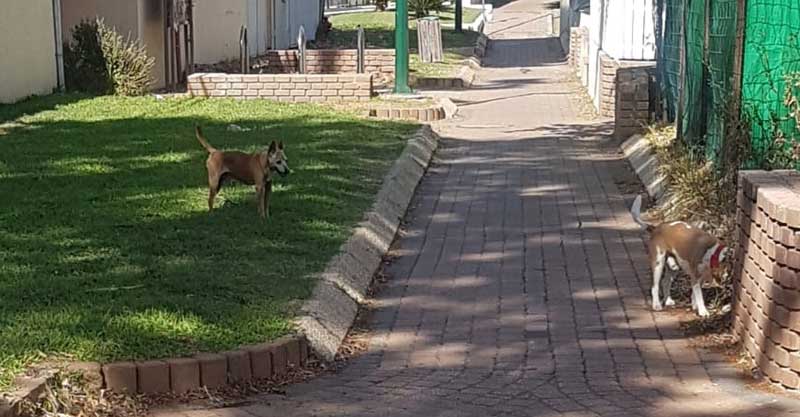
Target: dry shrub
69, 395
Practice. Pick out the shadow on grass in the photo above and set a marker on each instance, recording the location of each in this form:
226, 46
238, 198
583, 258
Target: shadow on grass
33, 105
108, 251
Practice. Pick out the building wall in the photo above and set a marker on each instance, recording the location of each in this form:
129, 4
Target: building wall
139, 19
121, 14
28, 64
151, 30
629, 30
216, 29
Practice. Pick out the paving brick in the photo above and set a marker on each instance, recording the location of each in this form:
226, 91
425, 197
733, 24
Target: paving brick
120, 377
213, 370
239, 367
184, 374
153, 377
260, 360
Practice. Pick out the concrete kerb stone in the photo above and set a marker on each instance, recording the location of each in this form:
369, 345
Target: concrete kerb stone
330, 311
27, 389
644, 162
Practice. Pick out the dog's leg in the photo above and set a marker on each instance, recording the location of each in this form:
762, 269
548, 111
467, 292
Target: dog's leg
658, 271
267, 194
260, 197
214, 184
697, 293
669, 302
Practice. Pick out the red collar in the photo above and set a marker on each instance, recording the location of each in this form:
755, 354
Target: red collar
715, 257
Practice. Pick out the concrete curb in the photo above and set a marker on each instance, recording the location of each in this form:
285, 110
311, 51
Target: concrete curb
27, 389
422, 114
326, 317
644, 162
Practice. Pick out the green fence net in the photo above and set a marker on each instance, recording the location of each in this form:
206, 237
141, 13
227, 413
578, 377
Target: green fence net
771, 52
710, 30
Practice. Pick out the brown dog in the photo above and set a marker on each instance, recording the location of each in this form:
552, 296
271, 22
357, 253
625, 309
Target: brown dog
251, 169
681, 245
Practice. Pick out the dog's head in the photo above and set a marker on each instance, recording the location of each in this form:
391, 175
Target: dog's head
720, 263
276, 158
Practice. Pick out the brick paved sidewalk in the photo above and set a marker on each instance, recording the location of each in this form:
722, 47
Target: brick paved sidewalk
519, 286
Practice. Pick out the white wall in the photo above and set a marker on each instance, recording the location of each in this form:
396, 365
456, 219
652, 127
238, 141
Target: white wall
624, 29
216, 29
289, 15
27, 48
595, 40
630, 29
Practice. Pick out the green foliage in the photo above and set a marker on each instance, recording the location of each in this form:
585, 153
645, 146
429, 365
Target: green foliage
422, 8
99, 60
84, 64
127, 65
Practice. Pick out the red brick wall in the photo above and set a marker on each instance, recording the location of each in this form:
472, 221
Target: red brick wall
289, 87
767, 273
632, 99
329, 61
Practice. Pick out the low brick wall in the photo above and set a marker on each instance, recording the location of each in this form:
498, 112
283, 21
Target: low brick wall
578, 50
766, 315
379, 62
632, 99
290, 87
608, 81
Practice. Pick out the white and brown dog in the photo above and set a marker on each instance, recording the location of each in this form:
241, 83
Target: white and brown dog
680, 244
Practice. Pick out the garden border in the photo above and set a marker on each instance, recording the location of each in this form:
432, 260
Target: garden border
331, 310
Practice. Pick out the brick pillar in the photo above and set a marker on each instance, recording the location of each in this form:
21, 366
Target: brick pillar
631, 100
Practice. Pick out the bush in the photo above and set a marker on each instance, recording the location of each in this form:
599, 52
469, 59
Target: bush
127, 65
422, 8
99, 60
84, 65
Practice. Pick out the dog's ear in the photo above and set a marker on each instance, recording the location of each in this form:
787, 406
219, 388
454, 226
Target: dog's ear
273, 147
280, 145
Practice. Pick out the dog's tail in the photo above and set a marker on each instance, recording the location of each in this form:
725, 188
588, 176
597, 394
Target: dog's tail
636, 213
203, 140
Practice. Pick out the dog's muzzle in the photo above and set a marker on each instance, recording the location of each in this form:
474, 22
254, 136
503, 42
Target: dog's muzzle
282, 173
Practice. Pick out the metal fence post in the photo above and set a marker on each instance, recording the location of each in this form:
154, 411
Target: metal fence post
301, 47
401, 48
361, 48
244, 54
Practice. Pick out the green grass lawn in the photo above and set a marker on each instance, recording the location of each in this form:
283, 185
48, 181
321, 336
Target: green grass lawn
108, 252
379, 29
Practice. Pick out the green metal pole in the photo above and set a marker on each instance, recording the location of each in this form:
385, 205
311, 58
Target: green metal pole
401, 48
459, 15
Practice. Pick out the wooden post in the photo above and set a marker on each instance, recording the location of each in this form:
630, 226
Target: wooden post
682, 80
429, 39
738, 54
